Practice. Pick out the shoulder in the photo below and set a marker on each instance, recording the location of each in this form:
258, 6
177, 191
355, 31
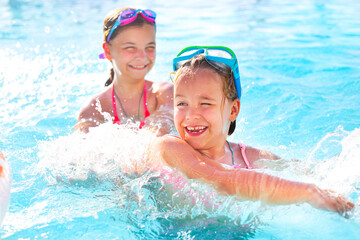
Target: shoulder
96, 105
254, 154
162, 89
97, 100
169, 142
163, 92
161, 86
173, 150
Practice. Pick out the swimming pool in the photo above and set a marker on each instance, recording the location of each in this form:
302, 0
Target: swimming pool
300, 74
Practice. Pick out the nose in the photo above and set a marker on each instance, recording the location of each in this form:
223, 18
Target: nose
141, 54
192, 113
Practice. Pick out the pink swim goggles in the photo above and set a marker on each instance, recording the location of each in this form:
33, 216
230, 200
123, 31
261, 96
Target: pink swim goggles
129, 15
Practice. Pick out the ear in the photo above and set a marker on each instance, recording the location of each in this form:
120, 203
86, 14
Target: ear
235, 109
106, 46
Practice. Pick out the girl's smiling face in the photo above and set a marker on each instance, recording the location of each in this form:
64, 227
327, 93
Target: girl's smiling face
202, 113
132, 51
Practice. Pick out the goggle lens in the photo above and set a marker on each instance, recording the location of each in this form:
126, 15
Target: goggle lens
128, 14
219, 53
219, 66
191, 52
209, 52
149, 13
131, 13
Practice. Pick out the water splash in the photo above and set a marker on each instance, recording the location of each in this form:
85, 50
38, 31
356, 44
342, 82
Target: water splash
99, 162
337, 165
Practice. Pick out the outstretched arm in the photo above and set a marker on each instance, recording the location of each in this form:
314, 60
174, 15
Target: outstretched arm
247, 184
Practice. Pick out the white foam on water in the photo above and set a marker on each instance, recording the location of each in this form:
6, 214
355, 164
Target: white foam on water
339, 169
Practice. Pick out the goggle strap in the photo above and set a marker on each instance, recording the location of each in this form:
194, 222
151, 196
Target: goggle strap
226, 49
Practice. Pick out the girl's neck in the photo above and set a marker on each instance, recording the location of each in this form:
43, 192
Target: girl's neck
216, 153
128, 88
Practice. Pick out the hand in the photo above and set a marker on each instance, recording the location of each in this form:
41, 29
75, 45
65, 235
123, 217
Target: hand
331, 201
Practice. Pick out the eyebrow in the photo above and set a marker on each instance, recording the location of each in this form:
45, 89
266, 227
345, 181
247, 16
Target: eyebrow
178, 95
127, 43
207, 98
132, 43
201, 97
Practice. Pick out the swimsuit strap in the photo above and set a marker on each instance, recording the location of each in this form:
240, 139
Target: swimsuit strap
232, 153
242, 149
174, 136
116, 118
147, 113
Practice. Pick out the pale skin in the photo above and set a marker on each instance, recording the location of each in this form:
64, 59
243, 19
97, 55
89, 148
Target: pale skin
132, 54
202, 118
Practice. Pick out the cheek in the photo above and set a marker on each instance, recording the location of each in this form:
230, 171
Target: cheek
213, 115
178, 117
126, 55
121, 58
226, 120
151, 54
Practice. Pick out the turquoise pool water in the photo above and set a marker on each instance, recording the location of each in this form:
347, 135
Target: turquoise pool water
300, 71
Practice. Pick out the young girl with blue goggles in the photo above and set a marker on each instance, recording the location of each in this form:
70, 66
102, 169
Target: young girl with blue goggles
206, 103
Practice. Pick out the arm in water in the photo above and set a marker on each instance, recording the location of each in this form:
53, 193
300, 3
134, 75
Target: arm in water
247, 184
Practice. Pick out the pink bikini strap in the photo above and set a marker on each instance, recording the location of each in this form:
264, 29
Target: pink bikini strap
116, 118
174, 136
147, 113
242, 149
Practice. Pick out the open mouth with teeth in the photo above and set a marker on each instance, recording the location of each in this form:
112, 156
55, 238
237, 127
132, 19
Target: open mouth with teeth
195, 131
138, 67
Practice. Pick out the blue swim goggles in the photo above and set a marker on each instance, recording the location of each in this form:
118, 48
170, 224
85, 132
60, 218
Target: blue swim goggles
218, 57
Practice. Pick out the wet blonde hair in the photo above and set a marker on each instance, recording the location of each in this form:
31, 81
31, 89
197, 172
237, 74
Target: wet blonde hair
189, 68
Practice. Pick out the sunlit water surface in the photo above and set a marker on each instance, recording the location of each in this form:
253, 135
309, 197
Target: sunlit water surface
299, 65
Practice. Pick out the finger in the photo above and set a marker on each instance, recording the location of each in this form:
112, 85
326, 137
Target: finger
350, 206
343, 206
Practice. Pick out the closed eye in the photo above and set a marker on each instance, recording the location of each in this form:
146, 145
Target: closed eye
206, 103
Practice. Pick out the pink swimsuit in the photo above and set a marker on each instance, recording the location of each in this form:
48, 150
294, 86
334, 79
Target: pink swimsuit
116, 117
179, 182
243, 154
